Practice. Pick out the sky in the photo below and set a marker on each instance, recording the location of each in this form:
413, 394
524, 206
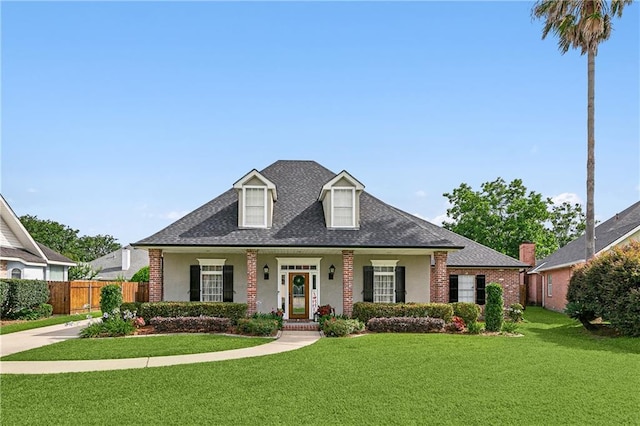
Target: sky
120, 117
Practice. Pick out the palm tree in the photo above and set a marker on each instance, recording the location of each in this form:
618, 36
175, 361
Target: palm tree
582, 24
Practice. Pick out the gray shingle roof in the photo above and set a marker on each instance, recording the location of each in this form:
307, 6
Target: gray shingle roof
54, 255
110, 264
298, 221
23, 254
606, 233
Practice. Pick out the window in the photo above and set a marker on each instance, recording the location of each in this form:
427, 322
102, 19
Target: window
16, 273
549, 286
384, 284
211, 283
255, 202
343, 201
466, 288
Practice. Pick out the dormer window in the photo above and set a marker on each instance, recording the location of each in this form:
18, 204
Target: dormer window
255, 206
340, 198
256, 198
343, 202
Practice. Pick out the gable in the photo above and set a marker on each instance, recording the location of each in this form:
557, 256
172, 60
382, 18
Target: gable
8, 237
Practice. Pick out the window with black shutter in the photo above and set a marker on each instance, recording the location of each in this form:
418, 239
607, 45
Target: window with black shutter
480, 289
368, 284
400, 286
453, 288
227, 283
194, 283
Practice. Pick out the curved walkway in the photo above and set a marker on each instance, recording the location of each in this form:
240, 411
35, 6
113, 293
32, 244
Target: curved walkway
24, 340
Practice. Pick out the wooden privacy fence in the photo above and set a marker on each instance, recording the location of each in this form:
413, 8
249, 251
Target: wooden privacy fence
75, 297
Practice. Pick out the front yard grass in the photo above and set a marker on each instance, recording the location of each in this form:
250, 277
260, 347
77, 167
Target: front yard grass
554, 374
54, 320
135, 347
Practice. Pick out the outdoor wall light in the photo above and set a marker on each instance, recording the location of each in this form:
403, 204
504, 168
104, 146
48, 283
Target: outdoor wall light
266, 272
332, 270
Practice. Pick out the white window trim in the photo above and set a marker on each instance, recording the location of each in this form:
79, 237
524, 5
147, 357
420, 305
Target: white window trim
549, 286
473, 286
353, 206
212, 262
244, 205
284, 292
385, 264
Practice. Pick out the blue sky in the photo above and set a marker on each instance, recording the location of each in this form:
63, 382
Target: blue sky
119, 117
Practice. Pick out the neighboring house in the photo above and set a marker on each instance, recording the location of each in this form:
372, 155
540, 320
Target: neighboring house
296, 235
554, 272
122, 263
23, 257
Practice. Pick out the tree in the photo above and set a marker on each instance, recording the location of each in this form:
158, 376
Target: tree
65, 240
502, 216
142, 276
582, 24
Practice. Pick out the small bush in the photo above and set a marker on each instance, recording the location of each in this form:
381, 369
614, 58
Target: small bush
45, 310
110, 298
340, 327
201, 324
456, 324
133, 307
114, 328
515, 312
142, 276
364, 311
273, 315
493, 314
233, 311
257, 326
406, 325
510, 327
325, 310
469, 312
4, 296
475, 328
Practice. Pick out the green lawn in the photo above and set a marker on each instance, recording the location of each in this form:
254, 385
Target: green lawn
135, 347
54, 320
555, 374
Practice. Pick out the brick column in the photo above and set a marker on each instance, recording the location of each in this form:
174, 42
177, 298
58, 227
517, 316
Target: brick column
441, 281
155, 275
3, 269
347, 282
252, 281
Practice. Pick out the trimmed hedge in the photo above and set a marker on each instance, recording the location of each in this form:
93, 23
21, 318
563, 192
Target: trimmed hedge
469, 312
4, 295
258, 326
406, 325
341, 327
201, 324
24, 294
133, 307
233, 311
364, 311
494, 309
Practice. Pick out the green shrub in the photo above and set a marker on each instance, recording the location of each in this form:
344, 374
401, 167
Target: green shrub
44, 310
364, 311
4, 296
581, 300
275, 315
110, 298
142, 276
510, 327
515, 312
113, 328
200, 324
475, 328
493, 313
257, 326
340, 327
133, 307
233, 311
406, 325
469, 312
24, 295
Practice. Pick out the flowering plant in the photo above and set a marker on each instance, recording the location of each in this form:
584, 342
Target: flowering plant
139, 322
515, 312
458, 323
325, 310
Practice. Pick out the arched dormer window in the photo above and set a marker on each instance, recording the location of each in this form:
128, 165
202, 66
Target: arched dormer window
16, 273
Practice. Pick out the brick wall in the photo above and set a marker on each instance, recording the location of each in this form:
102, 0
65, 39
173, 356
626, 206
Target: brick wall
155, 275
3, 269
439, 278
347, 282
252, 281
509, 279
560, 284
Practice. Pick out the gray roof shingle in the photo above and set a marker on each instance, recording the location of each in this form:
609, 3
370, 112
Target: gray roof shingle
298, 221
606, 233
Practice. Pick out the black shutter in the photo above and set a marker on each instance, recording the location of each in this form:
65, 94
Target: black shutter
400, 287
453, 288
227, 283
194, 287
480, 293
368, 284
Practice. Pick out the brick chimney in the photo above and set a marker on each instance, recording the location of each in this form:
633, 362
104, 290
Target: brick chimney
528, 253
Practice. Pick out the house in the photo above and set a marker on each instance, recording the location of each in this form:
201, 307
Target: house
296, 235
122, 263
554, 272
23, 257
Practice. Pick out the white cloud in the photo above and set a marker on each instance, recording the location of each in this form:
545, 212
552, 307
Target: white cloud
568, 197
174, 215
437, 220
32, 190
421, 193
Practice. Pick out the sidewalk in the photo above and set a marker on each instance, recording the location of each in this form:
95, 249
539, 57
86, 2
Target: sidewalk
21, 341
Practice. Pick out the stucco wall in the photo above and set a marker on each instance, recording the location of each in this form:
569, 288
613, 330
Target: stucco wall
28, 272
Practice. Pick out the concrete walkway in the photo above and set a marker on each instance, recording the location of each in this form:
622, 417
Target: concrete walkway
24, 340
